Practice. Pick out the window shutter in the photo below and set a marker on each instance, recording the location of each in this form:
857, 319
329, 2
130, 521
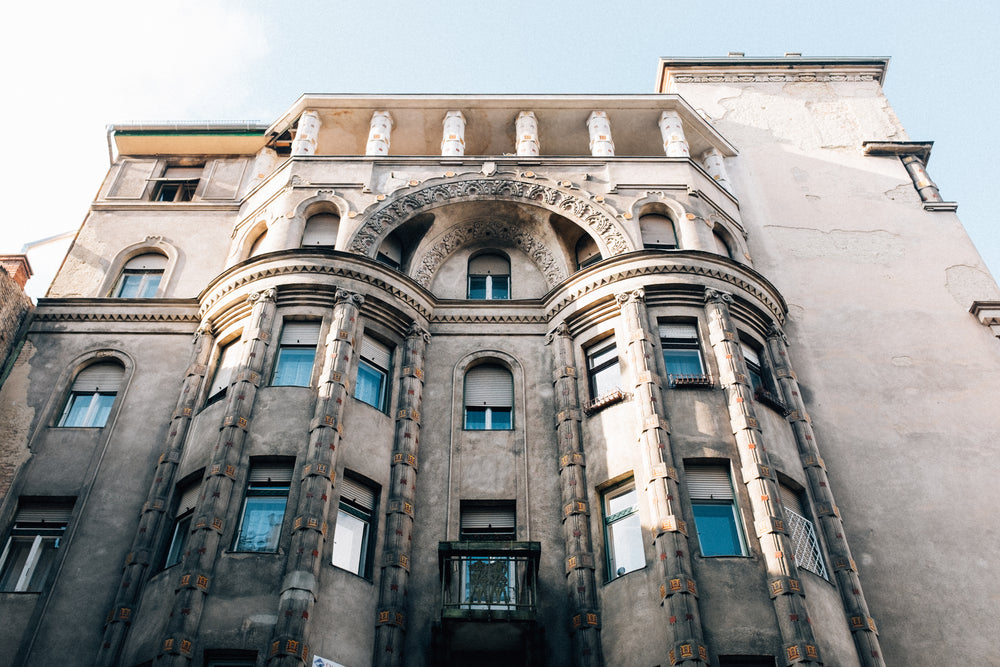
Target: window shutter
104, 377
183, 173
495, 265
657, 230
750, 355
42, 512
153, 261
790, 499
489, 385
189, 498
376, 353
273, 472
300, 333
680, 331
496, 517
708, 482
357, 493
229, 358
321, 230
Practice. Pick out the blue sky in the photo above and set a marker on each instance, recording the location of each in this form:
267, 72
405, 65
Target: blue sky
72, 68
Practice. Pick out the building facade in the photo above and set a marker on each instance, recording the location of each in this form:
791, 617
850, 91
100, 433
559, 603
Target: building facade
696, 378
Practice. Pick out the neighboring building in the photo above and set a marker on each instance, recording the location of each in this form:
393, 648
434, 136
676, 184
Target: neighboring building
15, 308
705, 377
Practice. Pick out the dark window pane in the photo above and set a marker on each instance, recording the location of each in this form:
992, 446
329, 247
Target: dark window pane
475, 419
500, 419
717, 531
682, 362
477, 287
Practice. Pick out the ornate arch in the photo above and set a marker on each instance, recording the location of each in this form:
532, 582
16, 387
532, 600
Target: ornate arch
386, 216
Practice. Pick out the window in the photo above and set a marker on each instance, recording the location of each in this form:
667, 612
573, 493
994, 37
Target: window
722, 245
622, 530
753, 367
587, 252
801, 532
353, 538
296, 353
603, 371
487, 520
263, 507
140, 278
682, 355
489, 398
715, 515
321, 230
257, 247
229, 359
372, 383
182, 522
390, 253
30, 550
178, 184
92, 395
657, 232
761, 381
489, 277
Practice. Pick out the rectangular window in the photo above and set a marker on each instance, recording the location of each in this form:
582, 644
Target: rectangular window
229, 359
372, 382
802, 533
715, 514
182, 523
489, 287
264, 507
682, 355
622, 530
603, 371
753, 367
296, 353
30, 550
178, 184
489, 398
353, 538
138, 284
487, 520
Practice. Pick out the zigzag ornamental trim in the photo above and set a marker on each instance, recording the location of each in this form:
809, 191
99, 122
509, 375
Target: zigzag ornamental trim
490, 319
483, 229
113, 317
384, 219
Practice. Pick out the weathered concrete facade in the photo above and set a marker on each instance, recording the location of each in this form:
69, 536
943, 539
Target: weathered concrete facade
683, 379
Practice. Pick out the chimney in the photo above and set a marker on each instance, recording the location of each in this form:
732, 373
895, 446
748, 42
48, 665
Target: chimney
17, 267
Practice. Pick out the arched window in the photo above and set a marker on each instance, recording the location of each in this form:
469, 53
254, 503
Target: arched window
256, 246
587, 252
657, 232
140, 277
390, 253
489, 277
92, 395
489, 398
722, 244
321, 230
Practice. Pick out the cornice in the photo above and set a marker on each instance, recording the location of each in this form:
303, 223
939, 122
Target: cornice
988, 314
77, 309
791, 69
182, 207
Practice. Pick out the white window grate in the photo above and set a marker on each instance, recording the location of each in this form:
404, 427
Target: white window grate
805, 545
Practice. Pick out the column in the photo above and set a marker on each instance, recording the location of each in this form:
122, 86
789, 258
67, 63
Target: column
715, 165
198, 564
856, 607
581, 584
379, 133
306, 134
263, 164
453, 134
526, 134
599, 127
784, 586
299, 586
672, 131
678, 592
151, 521
926, 188
390, 625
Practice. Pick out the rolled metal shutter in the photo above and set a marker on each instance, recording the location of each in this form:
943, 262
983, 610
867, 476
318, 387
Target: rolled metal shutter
709, 482
657, 230
273, 472
189, 498
150, 261
489, 264
357, 493
229, 357
678, 331
489, 385
300, 333
791, 500
750, 355
480, 517
321, 230
42, 512
376, 353
105, 377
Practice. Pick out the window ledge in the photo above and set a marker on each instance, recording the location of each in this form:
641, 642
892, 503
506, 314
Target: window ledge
771, 400
690, 380
606, 399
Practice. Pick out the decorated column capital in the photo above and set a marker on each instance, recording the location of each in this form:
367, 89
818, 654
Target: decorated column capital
269, 294
775, 331
714, 295
631, 296
561, 330
417, 331
345, 296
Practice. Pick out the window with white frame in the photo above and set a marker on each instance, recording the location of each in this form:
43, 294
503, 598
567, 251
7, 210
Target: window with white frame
657, 232
296, 354
225, 369
681, 353
622, 530
181, 528
801, 532
489, 277
264, 506
354, 537
321, 231
372, 384
603, 369
716, 516
177, 184
92, 395
30, 550
489, 398
140, 277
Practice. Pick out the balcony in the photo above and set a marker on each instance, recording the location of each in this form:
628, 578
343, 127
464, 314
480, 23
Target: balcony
682, 380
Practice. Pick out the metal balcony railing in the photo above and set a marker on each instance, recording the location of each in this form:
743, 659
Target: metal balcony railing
489, 580
689, 380
805, 545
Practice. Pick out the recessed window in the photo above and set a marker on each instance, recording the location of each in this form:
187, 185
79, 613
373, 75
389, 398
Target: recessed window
263, 507
682, 355
390, 253
657, 232
353, 538
801, 532
753, 367
257, 247
587, 252
622, 530
722, 244
296, 353
487, 520
321, 231
92, 395
31, 548
489, 398
178, 184
140, 277
181, 529
715, 514
603, 370
489, 277
372, 383
225, 369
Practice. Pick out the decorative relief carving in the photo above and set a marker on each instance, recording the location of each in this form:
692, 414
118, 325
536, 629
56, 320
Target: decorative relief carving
635, 295
417, 331
717, 295
344, 296
269, 294
562, 330
771, 77
775, 331
482, 229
